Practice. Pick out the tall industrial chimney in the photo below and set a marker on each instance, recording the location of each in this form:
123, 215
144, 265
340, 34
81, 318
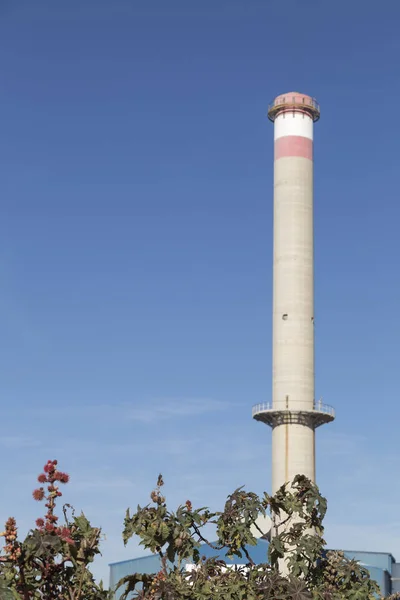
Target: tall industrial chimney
294, 414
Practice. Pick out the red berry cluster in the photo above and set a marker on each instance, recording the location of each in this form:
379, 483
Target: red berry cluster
49, 524
158, 580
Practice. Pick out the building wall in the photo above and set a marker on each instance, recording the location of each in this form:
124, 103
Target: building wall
382, 578
146, 564
381, 567
381, 560
395, 578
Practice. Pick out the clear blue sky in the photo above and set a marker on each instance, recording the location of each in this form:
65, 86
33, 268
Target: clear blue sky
135, 250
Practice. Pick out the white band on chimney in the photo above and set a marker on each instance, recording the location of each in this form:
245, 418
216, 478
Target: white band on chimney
293, 123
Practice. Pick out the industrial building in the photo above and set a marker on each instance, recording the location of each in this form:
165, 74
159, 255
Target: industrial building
381, 565
293, 413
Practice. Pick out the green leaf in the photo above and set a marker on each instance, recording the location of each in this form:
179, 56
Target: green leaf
6, 593
131, 581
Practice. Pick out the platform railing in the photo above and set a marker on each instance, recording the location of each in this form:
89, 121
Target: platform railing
295, 101
319, 406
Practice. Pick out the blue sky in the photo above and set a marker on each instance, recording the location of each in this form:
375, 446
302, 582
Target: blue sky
136, 251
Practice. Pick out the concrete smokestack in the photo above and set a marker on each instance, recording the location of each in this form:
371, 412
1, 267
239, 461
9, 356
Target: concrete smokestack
293, 415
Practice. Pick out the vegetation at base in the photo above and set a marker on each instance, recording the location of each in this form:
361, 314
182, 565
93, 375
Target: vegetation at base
53, 561
312, 573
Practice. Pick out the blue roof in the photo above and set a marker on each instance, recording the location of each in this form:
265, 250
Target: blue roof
258, 553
